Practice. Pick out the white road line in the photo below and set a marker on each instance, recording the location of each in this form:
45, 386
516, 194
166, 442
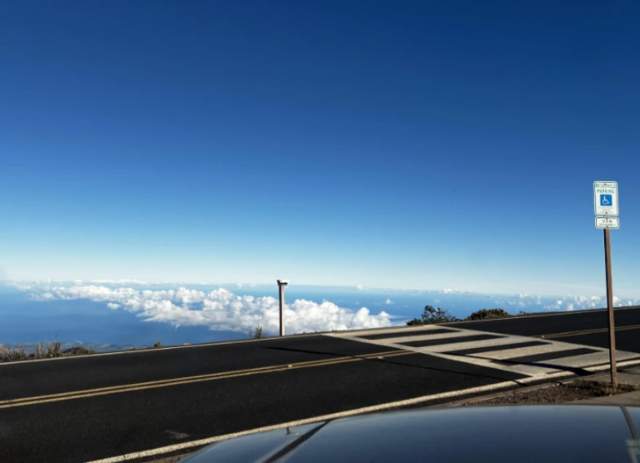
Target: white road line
480, 344
422, 337
579, 361
532, 371
522, 351
397, 329
358, 336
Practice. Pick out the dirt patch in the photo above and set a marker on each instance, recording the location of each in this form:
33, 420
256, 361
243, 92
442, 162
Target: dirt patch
551, 394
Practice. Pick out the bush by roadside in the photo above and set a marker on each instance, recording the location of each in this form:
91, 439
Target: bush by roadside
486, 314
432, 314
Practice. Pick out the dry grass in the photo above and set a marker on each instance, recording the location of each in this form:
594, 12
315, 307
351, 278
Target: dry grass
41, 351
12, 354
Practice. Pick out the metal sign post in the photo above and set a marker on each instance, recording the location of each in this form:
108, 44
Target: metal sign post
612, 322
605, 197
281, 285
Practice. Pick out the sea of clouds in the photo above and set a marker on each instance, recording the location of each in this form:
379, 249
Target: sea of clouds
222, 309
218, 309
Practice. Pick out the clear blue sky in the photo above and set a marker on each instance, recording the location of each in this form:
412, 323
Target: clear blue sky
388, 144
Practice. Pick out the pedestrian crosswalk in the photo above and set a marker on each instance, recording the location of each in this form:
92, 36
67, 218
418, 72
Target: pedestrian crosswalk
529, 356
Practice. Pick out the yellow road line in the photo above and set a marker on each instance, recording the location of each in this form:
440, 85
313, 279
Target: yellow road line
425, 399
566, 334
85, 393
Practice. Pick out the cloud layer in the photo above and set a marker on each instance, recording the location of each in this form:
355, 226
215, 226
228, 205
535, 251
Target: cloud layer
219, 309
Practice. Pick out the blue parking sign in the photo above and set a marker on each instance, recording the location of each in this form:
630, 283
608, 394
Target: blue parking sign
606, 200
605, 204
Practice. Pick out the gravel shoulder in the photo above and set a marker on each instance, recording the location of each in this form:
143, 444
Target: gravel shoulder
594, 389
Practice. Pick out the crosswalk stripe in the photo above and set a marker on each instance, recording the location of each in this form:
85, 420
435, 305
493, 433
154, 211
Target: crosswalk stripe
597, 358
481, 350
397, 329
410, 333
538, 357
486, 343
578, 361
451, 341
545, 357
523, 351
421, 337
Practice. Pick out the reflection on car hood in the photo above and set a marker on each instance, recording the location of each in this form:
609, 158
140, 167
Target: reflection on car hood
568, 433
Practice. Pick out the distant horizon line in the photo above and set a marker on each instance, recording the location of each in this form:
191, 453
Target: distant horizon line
239, 285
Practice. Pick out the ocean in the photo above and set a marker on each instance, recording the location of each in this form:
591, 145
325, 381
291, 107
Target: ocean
111, 316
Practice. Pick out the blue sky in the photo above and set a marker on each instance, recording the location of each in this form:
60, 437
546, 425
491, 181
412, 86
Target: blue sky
384, 144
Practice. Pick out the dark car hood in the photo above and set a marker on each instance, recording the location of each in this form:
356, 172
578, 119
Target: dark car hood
567, 433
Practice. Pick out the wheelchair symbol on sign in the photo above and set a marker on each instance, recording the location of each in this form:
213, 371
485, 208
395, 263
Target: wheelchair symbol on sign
606, 200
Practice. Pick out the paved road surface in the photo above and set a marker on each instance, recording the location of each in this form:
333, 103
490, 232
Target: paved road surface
101, 406
207, 390
587, 327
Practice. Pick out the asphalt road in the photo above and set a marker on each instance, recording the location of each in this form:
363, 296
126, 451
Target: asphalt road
207, 391
586, 327
100, 406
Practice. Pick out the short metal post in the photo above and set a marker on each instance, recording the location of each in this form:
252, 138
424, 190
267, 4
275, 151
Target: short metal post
612, 323
281, 285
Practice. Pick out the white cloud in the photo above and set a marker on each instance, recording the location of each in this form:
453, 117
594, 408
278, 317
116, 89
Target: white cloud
219, 309
573, 302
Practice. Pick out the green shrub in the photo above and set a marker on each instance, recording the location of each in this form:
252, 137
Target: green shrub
432, 315
486, 314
